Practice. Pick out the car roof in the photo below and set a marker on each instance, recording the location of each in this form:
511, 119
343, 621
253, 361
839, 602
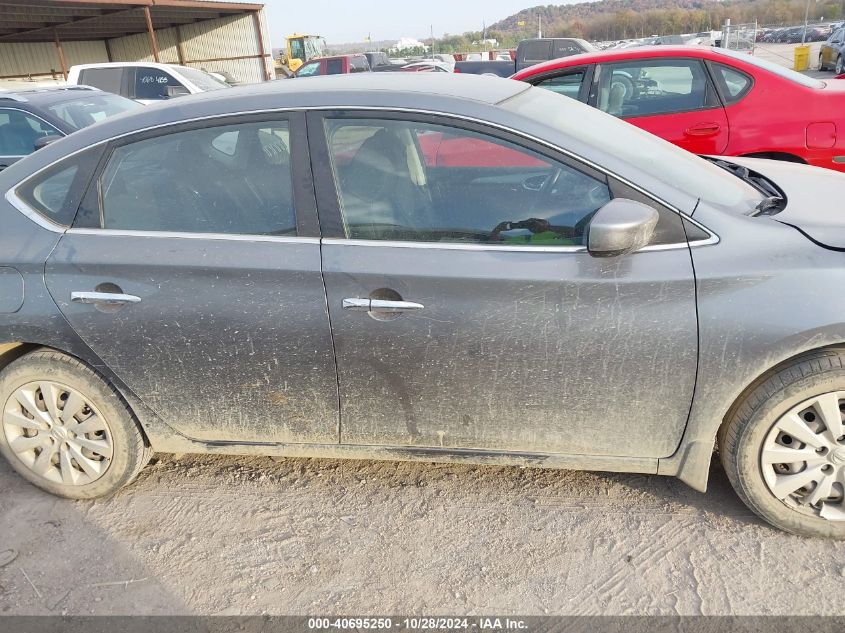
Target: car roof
638, 52
45, 95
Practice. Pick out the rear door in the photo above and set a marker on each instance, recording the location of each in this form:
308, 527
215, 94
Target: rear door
465, 311
193, 272
673, 98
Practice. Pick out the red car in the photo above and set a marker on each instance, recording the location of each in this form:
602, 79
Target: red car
708, 100
337, 65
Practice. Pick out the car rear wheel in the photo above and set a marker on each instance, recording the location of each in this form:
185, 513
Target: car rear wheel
840, 67
66, 430
783, 446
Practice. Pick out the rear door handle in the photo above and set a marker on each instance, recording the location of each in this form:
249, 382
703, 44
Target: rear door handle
356, 304
103, 298
703, 129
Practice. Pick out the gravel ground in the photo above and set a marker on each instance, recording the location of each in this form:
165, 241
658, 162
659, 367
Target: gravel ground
219, 535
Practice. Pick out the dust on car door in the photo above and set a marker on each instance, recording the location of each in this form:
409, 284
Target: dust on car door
465, 310
193, 271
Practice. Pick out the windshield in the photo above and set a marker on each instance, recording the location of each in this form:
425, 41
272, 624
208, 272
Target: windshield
660, 159
91, 108
777, 69
202, 79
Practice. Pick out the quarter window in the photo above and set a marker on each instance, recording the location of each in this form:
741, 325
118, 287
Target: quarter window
233, 179
401, 180
631, 89
736, 84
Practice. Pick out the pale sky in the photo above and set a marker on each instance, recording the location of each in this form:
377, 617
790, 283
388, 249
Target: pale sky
341, 21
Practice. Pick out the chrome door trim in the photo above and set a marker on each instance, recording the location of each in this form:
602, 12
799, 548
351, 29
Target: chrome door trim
239, 237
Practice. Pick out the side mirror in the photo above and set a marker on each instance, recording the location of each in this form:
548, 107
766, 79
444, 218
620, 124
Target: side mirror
43, 141
621, 226
177, 91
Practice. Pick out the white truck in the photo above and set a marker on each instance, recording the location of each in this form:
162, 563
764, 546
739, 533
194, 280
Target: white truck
145, 82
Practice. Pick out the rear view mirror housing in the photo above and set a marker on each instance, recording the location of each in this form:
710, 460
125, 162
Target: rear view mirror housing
177, 91
620, 227
43, 141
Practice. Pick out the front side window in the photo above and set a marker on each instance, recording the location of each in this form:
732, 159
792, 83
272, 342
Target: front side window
152, 83
409, 181
655, 86
309, 69
19, 130
568, 84
233, 179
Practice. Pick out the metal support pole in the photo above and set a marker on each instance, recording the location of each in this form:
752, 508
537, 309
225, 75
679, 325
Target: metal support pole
261, 51
61, 53
152, 34
180, 51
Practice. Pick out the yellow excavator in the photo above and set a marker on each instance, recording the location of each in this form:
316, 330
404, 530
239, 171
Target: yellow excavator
298, 50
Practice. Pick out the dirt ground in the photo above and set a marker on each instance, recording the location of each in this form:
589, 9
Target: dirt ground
220, 535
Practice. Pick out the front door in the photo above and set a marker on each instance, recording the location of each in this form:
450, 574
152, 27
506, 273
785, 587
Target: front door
673, 98
193, 271
465, 310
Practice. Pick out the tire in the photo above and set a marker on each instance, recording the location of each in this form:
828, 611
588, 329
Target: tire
821, 62
752, 438
840, 67
92, 452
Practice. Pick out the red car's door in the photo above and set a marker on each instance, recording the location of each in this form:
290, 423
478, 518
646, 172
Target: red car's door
673, 98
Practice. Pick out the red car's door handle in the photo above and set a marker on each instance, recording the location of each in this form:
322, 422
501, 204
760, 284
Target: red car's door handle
703, 129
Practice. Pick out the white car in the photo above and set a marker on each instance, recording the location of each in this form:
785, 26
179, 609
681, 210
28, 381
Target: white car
145, 82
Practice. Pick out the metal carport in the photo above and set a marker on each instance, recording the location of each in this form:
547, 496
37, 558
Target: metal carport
40, 38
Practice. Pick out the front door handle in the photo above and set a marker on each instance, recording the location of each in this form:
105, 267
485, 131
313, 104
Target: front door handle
703, 129
103, 298
356, 304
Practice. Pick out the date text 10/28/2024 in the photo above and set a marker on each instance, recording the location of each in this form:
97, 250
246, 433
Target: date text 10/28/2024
418, 624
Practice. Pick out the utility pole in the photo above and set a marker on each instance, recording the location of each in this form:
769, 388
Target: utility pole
806, 17
539, 26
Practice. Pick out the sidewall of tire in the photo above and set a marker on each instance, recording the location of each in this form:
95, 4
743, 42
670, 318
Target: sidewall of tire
127, 441
751, 433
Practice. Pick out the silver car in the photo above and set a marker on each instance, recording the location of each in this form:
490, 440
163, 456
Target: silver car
421, 267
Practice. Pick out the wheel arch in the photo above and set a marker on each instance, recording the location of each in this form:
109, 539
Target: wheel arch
691, 463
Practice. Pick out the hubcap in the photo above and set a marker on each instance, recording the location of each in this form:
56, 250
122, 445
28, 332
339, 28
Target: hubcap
57, 433
803, 457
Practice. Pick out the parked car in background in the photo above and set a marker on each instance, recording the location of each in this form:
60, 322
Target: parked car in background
589, 300
534, 51
485, 67
376, 59
30, 118
145, 82
709, 100
832, 53
335, 65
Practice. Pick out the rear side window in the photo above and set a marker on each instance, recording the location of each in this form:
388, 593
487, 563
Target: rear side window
152, 83
536, 51
735, 84
231, 179
19, 130
107, 79
57, 191
565, 48
334, 67
358, 64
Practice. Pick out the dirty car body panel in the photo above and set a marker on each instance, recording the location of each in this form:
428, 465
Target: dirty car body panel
536, 357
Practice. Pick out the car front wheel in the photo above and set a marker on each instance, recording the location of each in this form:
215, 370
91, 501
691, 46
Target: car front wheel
821, 62
783, 446
66, 430
840, 67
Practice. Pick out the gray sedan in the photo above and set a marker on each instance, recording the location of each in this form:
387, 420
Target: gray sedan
421, 267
